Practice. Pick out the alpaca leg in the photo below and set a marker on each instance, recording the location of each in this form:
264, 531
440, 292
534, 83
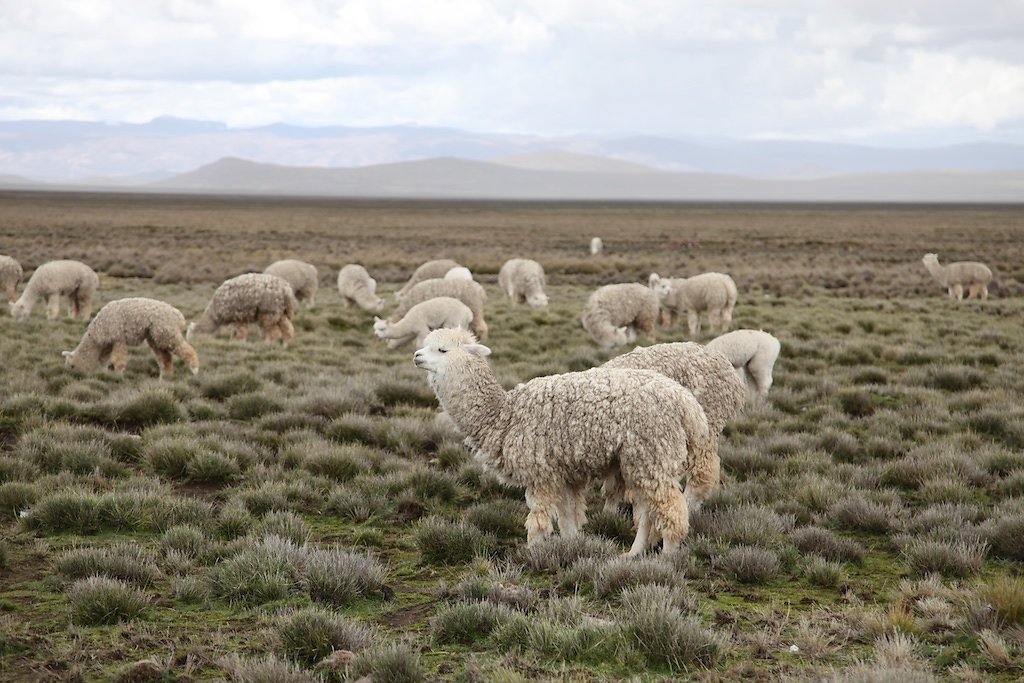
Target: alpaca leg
52, 306
119, 357
568, 515
642, 520
287, 330
984, 292
613, 489
958, 291
163, 359
646, 326
702, 478
693, 321
663, 317
83, 305
726, 319
539, 520
670, 516
188, 355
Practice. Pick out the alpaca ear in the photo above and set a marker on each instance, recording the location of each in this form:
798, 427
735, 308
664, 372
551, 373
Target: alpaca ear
477, 350
653, 279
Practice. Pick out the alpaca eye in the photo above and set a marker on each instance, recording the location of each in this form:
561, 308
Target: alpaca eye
443, 350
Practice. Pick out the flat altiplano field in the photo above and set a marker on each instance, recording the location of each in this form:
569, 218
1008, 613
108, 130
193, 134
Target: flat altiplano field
284, 504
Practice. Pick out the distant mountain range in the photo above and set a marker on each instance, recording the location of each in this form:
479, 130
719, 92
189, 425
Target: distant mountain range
174, 155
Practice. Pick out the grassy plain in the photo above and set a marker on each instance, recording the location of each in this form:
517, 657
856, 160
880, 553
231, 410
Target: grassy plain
286, 502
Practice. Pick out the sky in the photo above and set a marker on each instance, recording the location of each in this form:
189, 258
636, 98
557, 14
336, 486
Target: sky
914, 72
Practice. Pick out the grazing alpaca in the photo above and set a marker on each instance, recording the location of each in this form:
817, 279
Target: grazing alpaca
955, 276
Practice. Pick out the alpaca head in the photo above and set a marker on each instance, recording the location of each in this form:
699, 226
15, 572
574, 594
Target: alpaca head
74, 361
661, 286
19, 311
444, 345
380, 327
930, 260
537, 300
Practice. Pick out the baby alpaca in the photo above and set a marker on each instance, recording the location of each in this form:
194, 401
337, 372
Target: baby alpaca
522, 279
432, 314
614, 313
130, 322
300, 275
357, 287
250, 298
51, 281
554, 435
753, 354
10, 276
955, 276
467, 291
712, 292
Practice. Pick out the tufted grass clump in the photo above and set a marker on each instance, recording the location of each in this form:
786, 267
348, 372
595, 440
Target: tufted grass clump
949, 558
611, 524
212, 467
1006, 596
265, 572
68, 510
142, 409
98, 600
16, 496
621, 573
394, 663
752, 525
824, 573
220, 387
339, 463
827, 544
1006, 535
339, 578
127, 562
468, 622
442, 542
502, 518
859, 514
191, 590
285, 524
664, 635
252, 406
559, 552
954, 378
266, 669
750, 564
187, 539
308, 635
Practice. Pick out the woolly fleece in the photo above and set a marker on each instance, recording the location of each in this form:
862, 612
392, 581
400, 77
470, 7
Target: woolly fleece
523, 281
130, 322
614, 313
52, 280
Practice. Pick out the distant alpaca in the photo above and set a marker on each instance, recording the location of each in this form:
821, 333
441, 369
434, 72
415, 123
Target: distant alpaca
596, 246
955, 276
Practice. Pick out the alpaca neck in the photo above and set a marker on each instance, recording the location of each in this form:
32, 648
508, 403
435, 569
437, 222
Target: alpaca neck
470, 394
937, 271
206, 323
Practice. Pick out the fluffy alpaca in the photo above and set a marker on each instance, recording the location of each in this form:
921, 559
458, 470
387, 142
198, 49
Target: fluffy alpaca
523, 281
430, 270
250, 298
51, 281
468, 292
712, 292
357, 287
711, 379
300, 275
553, 435
10, 277
130, 322
459, 273
432, 314
596, 246
614, 313
752, 353
955, 276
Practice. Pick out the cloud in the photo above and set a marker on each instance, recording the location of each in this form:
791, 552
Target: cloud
741, 68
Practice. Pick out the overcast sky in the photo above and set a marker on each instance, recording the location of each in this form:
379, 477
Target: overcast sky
883, 71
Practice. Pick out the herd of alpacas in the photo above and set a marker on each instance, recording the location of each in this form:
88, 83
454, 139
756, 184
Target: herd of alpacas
640, 424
